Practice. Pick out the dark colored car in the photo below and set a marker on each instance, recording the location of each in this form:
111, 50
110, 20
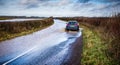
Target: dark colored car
72, 26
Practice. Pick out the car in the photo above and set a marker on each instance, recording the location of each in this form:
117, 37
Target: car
72, 26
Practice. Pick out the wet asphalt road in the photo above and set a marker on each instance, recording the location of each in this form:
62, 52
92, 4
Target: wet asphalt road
18, 20
46, 47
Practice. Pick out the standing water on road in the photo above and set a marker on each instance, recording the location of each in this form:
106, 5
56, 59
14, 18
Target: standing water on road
17, 20
46, 47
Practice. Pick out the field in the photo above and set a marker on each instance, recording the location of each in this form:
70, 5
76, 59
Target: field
106, 35
10, 30
12, 17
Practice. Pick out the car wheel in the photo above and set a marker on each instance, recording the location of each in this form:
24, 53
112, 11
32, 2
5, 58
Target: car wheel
77, 29
66, 30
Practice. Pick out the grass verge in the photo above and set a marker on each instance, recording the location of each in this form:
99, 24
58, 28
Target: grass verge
93, 49
10, 36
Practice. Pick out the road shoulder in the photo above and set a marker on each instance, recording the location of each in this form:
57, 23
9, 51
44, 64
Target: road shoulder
75, 51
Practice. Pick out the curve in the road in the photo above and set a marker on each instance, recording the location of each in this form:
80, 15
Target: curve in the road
51, 47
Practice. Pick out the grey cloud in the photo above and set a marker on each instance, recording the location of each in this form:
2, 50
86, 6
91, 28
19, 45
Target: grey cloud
71, 6
83, 1
114, 5
32, 6
109, 0
6, 4
105, 1
29, 3
82, 6
44, 3
108, 10
2, 2
34, 3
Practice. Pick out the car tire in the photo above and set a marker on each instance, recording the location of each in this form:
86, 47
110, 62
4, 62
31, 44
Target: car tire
66, 30
78, 29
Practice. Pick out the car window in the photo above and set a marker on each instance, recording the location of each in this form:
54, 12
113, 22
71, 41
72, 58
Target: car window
72, 23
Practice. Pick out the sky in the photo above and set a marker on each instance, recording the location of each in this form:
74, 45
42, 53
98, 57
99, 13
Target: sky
87, 8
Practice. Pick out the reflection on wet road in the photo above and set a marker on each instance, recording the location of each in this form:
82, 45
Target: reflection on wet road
18, 20
46, 47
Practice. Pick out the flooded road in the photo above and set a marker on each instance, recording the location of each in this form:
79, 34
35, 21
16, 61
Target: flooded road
46, 47
19, 20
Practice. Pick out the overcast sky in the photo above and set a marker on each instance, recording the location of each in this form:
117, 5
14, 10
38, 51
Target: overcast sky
59, 7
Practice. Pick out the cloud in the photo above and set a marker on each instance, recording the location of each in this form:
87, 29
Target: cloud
39, 3
29, 3
59, 7
83, 1
108, 1
109, 9
2, 2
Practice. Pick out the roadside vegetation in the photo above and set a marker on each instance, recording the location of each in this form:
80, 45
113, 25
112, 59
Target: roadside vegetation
5, 17
10, 30
109, 30
101, 39
10, 17
93, 48
13, 17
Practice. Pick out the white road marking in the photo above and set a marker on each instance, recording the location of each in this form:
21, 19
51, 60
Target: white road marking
18, 56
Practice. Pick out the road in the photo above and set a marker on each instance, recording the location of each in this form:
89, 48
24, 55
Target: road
18, 20
50, 46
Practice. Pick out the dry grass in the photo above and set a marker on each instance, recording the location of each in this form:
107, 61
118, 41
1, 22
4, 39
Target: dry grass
10, 30
108, 29
93, 49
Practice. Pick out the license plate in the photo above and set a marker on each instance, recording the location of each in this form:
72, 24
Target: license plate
72, 26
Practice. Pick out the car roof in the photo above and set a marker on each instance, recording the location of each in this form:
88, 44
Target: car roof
72, 21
